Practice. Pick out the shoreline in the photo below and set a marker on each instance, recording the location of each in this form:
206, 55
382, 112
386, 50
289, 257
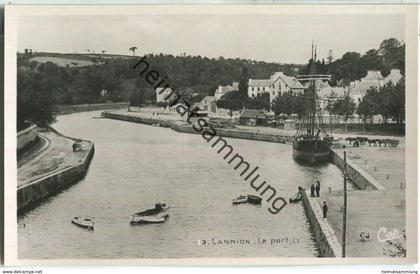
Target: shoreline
34, 186
69, 109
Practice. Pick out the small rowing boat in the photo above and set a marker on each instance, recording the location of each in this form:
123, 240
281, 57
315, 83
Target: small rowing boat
252, 199
152, 219
240, 200
255, 200
83, 222
153, 215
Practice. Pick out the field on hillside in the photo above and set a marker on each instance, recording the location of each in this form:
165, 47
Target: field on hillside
62, 61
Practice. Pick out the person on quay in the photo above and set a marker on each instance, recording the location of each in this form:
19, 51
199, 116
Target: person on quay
312, 190
317, 188
324, 210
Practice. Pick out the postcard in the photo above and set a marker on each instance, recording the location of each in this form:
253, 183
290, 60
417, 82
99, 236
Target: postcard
211, 134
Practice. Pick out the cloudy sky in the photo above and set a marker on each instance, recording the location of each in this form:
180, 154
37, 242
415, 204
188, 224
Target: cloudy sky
272, 38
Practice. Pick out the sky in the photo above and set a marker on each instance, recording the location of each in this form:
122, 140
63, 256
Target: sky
264, 37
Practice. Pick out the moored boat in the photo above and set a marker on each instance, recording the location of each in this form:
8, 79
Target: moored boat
152, 219
158, 212
255, 200
311, 143
83, 222
310, 149
252, 199
240, 200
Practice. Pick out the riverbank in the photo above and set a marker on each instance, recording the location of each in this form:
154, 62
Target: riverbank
68, 109
51, 168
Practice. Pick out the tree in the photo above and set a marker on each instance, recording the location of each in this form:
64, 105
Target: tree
133, 49
288, 104
391, 101
35, 100
261, 102
344, 106
330, 57
243, 86
103, 51
353, 66
368, 105
231, 101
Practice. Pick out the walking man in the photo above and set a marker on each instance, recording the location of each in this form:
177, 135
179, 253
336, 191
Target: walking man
317, 188
312, 190
324, 210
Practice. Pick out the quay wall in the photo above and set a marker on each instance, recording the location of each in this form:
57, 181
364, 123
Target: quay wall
187, 128
68, 109
26, 136
137, 119
31, 194
324, 235
357, 175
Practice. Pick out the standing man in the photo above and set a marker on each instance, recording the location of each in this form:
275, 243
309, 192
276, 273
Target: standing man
324, 210
312, 190
317, 188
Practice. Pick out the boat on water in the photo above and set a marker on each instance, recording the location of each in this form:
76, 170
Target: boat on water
83, 222
151, 219
255, 200
154, 215
252, 199
311, 143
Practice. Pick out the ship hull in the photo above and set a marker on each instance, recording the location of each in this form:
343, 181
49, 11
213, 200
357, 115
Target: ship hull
311, 151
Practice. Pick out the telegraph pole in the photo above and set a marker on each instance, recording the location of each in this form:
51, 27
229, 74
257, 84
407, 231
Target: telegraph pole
344, 208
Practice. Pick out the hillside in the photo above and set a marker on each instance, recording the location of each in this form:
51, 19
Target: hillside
82, 77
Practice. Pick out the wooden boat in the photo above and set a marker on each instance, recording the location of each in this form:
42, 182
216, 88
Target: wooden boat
152, 219
157, 212
311, 143
255, 200
294, 200
252, 199
240, 200
83, 222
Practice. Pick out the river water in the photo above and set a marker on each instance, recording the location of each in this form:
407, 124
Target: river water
135, 166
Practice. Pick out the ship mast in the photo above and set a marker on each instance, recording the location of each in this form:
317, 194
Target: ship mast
312, 96
313, 68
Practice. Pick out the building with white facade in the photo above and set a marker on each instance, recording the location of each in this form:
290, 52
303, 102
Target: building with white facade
395, 76
326, 92
160, 96
208, 104
222, 90
373, 79
278, 84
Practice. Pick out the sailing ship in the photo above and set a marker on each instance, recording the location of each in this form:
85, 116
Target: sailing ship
311, 143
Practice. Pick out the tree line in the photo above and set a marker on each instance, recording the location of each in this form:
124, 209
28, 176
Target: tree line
387, 101
193, 76
353, 66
